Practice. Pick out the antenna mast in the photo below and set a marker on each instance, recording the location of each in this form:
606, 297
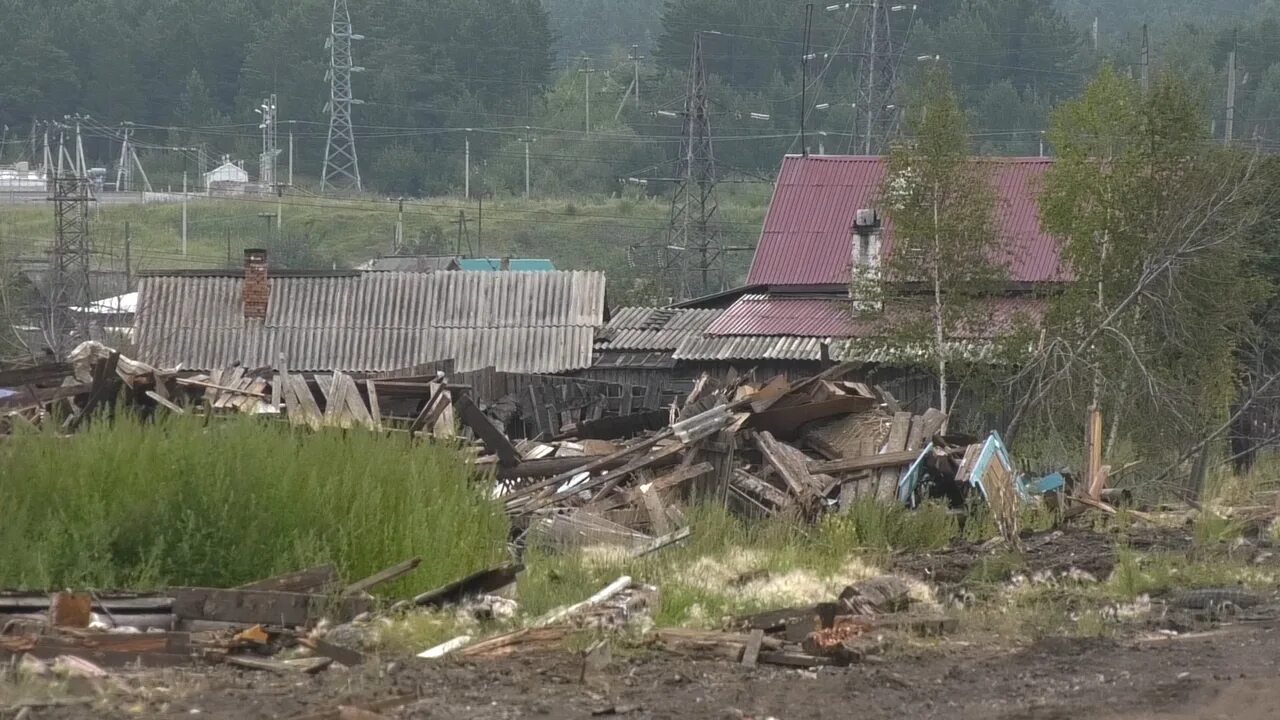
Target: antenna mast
341, 167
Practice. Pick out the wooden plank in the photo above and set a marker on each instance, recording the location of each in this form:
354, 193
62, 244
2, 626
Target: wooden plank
164, 403
544, 467
346, 656
662, 542
887, 478
785, 422
759, 488
612, 479
612, 428
485, 581
434, 406
307, 666
355, 407
383, 576
666, 482
771, 393
261, 607
105, 384
870, 462
793, 470
312, 580
335, 401
751, 654
931, 423
375, 407
307, 402
658, 519
494, 440
794, 659
606, 462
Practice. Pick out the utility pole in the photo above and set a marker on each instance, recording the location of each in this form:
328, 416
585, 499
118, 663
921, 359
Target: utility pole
466, 163
128, 261
804, 79
341, 166
124, 170
290, 153
527, 140
636, 57
69, 262
184, 213
267, 161
1146, 60
878, 84
1095, 33
692, 232
1231, 95
587, 72
399, 248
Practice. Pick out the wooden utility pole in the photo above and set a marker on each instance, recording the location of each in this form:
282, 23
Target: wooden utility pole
1231, 96
1146, 60
128, 261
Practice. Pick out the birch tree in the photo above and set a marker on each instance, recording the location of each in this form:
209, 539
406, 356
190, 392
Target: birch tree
942, 259
1154, 223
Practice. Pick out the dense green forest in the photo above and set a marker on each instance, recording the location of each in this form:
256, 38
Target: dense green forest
511, 75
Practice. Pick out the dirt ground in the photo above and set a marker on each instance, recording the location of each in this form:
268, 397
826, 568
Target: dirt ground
1224, 667
1229, 672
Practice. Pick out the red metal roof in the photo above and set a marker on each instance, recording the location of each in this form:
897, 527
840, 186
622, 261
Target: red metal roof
807, 231
833, 317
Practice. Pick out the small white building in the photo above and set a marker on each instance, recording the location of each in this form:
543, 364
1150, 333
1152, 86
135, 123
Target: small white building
227, 172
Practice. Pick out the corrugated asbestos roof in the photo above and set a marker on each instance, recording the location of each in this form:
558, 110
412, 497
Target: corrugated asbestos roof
643, 328
808, 229
753, 347
833, 316
534, 322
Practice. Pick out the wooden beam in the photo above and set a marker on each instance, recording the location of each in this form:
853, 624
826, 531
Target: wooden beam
666, 482
260, 607
494, 439
375, 407
756, 487
383, 576
220, 388
606, 462
316, 579
485, 581
869, 462
785, 422
790, 464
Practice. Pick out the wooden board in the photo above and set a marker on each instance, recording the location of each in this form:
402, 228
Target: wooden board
887, 478
311, 580
790, 464
383, 576
485, 581
494, 439
262, 607
786, 422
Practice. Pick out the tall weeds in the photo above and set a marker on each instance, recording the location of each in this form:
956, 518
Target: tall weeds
128, 504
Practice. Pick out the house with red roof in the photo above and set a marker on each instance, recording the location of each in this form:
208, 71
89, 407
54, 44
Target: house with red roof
795, 312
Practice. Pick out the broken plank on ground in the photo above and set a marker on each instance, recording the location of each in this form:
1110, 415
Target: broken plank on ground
261, 607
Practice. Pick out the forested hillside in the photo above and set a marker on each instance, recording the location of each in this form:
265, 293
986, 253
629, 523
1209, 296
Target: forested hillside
511, 76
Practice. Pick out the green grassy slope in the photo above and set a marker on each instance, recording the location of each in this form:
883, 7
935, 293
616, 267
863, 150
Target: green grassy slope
577, 233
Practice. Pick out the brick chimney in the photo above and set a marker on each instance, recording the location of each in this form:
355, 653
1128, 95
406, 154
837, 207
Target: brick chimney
256, 288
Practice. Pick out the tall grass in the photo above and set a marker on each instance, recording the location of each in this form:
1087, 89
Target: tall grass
128, 504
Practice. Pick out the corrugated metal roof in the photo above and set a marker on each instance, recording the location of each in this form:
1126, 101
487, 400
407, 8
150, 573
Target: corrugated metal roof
833, 316
515, 264
643, 328
537, 322
785, 315
808, 229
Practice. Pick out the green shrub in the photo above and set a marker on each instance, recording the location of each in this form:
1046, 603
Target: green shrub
178, 502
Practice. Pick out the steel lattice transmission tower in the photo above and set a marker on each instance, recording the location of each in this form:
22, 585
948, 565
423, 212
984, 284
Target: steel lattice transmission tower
341, 166
694, 252
68, 278
883, 46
